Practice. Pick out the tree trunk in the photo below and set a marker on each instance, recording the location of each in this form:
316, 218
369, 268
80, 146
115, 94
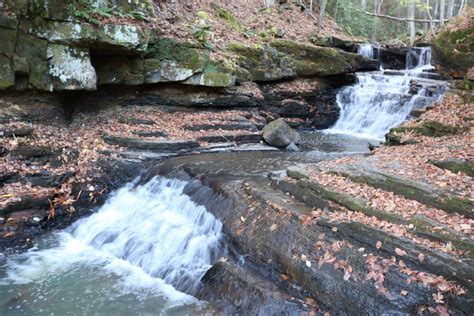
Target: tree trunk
450, 10
411, 24
322, 13
441, 12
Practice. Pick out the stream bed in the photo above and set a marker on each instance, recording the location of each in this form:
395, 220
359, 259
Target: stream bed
146, 249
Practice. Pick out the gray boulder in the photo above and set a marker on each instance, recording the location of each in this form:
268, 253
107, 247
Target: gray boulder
279, 134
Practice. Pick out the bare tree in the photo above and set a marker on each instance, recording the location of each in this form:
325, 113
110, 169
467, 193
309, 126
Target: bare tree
411, 23
322, 13
450, 9
441, 12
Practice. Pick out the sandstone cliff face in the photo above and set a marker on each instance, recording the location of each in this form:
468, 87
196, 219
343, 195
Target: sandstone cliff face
47, 45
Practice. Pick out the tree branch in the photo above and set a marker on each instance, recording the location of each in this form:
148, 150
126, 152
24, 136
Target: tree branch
397, 19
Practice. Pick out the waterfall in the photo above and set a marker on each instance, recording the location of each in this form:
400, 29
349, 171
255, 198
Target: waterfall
419, 59
384, 99
366, 50
149, 236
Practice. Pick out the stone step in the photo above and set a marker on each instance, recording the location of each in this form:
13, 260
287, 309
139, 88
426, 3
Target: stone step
153, 145
425, 75
410, 189
17, 132
233, 126
150, 133
130, 120
140, 155
26, 202
43, 179
242, 138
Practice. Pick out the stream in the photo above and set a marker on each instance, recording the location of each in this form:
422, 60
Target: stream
146, 249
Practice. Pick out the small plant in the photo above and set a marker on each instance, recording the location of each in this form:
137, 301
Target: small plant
202, 30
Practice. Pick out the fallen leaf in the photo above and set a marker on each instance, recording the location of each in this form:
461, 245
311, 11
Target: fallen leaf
421, 257
404, 293
347, 275
400, 252
378, 245
273, 227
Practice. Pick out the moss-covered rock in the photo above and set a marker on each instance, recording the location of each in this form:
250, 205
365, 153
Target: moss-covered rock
7, 73
70, 68
34, 51
213, 75
68, 33
264, 63
453, 52
131, 38
455, 165
167, 60
427, 128
310, 60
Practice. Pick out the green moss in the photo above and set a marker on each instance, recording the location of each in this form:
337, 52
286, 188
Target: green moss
184, 54
228, 17
461, 206
424, 226
455, 165
217, 75
252, 54
313, 60
453, 51
429, 128
34, 51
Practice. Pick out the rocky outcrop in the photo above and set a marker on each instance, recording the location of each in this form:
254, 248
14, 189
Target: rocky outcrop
56, 45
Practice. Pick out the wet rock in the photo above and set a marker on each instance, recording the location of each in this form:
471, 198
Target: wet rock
2, 220
25, 202
279, 134
238, 290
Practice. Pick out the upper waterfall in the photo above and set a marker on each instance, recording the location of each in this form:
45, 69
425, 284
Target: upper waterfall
384, 99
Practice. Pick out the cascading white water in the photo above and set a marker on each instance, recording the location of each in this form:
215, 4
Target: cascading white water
379, 102
150, 237
366, 50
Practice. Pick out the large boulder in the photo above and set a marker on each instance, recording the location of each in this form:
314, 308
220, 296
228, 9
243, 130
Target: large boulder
279, 134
